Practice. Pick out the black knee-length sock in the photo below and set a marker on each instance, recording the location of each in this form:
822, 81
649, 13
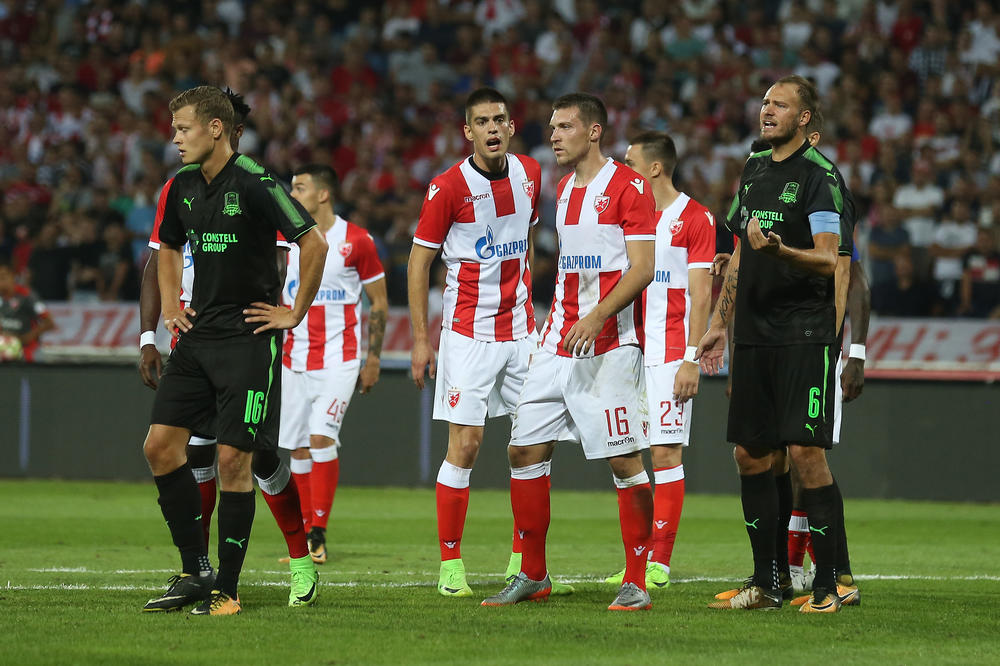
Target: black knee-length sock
235, 521
760, 514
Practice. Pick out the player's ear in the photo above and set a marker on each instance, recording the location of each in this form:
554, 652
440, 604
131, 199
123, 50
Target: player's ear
595, 132
468, 133
216, 128
805, 117
655, 169
510, 123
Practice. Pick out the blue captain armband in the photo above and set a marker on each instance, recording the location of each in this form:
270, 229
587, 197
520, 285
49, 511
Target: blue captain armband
824, 222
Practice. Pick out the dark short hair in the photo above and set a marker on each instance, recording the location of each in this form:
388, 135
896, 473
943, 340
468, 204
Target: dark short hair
209, 103
323, 175
658, 147
240, 108
484, 96
591, 108
808, 96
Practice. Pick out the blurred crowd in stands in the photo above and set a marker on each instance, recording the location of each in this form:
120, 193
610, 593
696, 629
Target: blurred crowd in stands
909, 91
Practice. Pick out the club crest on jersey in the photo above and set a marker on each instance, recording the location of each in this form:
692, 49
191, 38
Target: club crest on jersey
675, 226
529, 188
232, 204
789, 194
645, 428
453, 397
345, 248
601, 203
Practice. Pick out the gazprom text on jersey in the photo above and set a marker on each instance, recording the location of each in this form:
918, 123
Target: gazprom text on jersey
574, 262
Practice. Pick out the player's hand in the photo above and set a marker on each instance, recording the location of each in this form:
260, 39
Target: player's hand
150, 365
771, 244
369, 374
582, 335
422, 358
852, 379
178, 321
720, 264
272, 316
686, 382
711, 349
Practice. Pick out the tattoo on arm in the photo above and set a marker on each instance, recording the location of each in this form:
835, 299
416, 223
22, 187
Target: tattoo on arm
728, 296
376, 332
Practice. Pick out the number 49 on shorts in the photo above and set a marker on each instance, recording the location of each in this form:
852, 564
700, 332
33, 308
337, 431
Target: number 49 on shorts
254, 408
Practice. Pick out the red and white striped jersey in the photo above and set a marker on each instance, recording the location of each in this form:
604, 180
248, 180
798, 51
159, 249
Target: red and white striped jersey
187, 276
329, 334
685, 239
593, 224
482, 226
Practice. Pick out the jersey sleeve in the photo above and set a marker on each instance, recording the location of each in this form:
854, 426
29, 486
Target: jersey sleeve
435, 215
282, 242
824, 193
638, 210
365, 258
270, 200
701, 240
732, 223
534, 171
161, 205
170, 230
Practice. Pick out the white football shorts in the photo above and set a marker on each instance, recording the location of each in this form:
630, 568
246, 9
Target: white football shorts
669, 423
476, 378
599, 402
314, 402
838, 400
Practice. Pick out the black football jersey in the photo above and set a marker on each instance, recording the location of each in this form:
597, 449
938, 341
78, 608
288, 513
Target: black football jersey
776, 303
232, 224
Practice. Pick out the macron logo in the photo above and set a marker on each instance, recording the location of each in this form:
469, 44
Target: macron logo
320, 512
711, 220
638, 549
432, 190
450, 544
637, 184
660, 524
520, 534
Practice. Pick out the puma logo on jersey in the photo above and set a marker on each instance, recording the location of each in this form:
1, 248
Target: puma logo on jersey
432, 190
660, 524
265, 179
451, 544
638, 549
637, 184
188, 202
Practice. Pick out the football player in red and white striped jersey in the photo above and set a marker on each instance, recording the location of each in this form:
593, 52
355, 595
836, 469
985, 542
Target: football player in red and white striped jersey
478, 214
321, 360
585, 382
676, 307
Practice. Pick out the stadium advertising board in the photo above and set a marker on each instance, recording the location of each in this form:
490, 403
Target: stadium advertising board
897, 348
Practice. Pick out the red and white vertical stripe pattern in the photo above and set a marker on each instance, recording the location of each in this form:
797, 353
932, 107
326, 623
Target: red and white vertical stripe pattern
685, 239
482, 227
593, 224
330, 332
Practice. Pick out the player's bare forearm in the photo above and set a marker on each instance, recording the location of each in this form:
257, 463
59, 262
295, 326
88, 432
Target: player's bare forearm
841, 278
642, 261
281, 262
312, 258
418, 270
859, 303
377, 316
820, 260
149, 294
727, 298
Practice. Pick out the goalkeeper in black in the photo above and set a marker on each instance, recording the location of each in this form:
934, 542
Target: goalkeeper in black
224, 374
781, 279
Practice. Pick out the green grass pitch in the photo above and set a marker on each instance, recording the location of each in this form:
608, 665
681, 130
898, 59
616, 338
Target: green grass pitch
77, 561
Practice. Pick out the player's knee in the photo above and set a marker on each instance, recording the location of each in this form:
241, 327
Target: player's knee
234, 467
751, 461
669, 455
523, 456
265, 463
163, 452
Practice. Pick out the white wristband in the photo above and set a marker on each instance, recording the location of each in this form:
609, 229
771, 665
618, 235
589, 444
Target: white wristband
147, 338
689, 354
858, 352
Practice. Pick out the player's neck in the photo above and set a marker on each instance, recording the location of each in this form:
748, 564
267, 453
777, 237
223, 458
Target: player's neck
587, 168
494, 165
218, 159
787, 149
325, 219
664, 193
